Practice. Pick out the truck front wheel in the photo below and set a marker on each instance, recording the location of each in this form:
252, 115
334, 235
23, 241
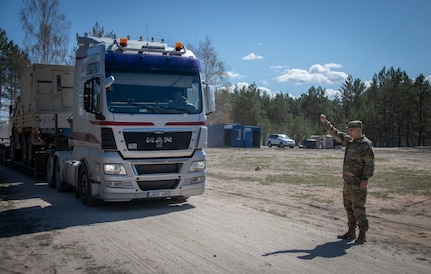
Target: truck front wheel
84, 188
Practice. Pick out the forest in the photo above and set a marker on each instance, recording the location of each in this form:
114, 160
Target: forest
394, 108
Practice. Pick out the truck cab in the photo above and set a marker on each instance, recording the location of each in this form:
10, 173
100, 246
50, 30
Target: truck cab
138, 122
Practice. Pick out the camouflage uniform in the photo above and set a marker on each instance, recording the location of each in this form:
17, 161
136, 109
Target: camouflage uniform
358, 165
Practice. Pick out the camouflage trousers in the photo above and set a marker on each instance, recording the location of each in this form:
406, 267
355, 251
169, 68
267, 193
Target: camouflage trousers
354, 202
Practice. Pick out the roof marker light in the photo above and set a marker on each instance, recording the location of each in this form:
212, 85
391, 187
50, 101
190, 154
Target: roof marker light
179, 46
123, 42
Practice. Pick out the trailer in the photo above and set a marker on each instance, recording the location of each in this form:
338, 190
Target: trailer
40, 114
131, 124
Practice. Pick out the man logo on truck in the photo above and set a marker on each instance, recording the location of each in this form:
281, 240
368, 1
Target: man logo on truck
158, 140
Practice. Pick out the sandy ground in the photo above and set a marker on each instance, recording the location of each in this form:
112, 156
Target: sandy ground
265, 210
396, 217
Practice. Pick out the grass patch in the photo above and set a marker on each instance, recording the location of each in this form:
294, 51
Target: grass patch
312, 197
44, 239
381, 160
402, 180
304, 179
398, 171
380, 195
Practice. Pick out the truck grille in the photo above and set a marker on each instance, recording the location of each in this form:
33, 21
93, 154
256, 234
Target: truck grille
157, 168
156, 185
157, 140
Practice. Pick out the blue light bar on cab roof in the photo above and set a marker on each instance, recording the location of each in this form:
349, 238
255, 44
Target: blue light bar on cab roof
118, 61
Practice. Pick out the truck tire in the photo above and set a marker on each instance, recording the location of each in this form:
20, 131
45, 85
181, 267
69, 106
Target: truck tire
281, 145
84, 188
15, 154
2, 155
24, 151
30, 152
269, 144
49, 174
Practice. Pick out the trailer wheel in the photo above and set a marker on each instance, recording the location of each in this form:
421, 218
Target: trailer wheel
15, 154
4, 154
30, 152
84, 188
50, 172
24, 151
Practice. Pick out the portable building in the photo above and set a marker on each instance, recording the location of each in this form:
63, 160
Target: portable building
328, 141
234, 135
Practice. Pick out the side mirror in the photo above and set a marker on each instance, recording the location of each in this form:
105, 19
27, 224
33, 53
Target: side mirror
209, 98
108, 81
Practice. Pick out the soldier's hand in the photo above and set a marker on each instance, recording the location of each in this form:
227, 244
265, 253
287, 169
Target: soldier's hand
363, 185
323, 118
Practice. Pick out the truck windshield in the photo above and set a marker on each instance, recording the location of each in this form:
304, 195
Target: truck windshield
154, 92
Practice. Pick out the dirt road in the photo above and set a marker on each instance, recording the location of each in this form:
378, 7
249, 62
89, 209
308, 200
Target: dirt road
229, 229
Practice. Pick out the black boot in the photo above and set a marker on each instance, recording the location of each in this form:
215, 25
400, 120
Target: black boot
361, 238
349, 235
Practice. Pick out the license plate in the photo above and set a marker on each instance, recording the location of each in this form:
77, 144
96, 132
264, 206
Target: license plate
158, 194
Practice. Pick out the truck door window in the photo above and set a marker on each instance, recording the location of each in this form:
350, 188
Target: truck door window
92, 95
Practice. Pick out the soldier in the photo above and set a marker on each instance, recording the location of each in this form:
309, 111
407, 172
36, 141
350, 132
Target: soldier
358, 167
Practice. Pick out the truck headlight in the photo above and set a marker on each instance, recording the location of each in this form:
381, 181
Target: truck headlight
114, 169
197, 166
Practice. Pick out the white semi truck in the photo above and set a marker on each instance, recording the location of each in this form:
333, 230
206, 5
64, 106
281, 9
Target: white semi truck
130, 126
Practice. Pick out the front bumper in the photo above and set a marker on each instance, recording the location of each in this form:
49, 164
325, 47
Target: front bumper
156, 183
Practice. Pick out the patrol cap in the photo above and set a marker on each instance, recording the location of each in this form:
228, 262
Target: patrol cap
355, 124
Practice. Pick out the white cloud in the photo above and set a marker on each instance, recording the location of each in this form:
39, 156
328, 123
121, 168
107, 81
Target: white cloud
324, 68
240, 85
331, 92
318, 74
276, 67
252, 57
267, 91
428, 78
235, 75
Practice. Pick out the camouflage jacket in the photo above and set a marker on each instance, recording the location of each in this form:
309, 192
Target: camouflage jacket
358, 156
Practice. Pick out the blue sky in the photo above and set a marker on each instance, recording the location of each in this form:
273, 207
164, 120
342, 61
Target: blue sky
281, 45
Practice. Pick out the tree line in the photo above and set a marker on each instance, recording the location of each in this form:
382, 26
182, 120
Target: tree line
395, 109
13, 60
